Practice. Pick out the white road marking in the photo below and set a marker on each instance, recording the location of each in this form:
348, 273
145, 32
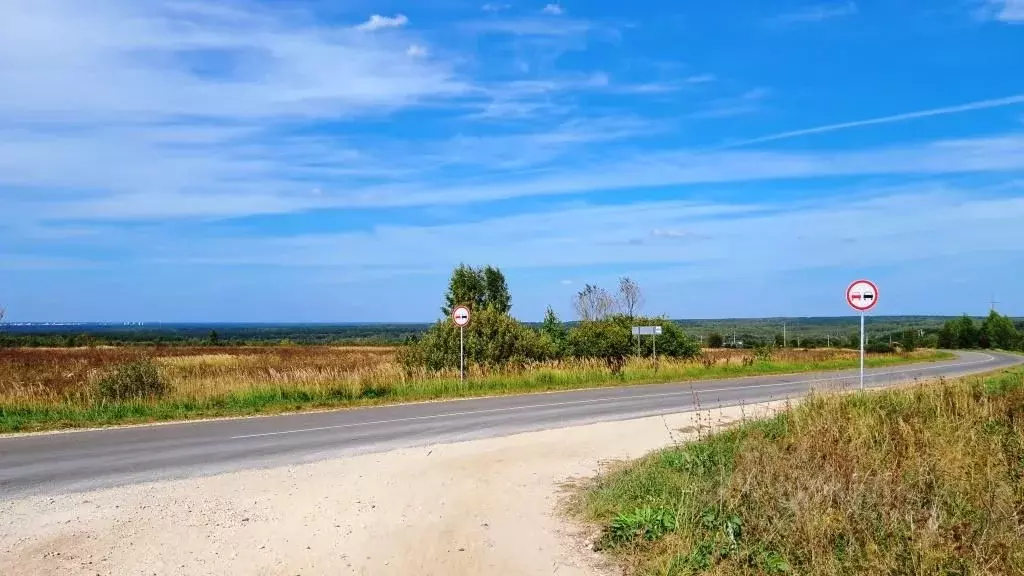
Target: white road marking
987, 358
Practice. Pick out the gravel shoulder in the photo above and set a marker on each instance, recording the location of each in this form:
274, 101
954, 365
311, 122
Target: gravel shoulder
480, 507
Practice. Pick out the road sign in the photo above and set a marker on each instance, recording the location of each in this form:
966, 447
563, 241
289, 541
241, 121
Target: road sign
461, 316
646, 330
862, 295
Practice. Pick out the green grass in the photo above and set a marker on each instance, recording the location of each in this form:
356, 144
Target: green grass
928, 480
39, 416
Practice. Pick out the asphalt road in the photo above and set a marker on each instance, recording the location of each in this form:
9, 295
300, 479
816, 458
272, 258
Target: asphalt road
73, 461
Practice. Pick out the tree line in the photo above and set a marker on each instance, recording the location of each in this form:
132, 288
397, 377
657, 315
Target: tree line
494, 338
995, 331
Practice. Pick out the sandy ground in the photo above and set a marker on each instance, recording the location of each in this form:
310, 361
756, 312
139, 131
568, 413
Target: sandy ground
481, 507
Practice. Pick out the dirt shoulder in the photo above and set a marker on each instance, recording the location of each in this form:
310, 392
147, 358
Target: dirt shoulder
481, 507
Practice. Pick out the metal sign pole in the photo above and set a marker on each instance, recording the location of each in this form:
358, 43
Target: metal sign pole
654, 344
462, 355
862, 351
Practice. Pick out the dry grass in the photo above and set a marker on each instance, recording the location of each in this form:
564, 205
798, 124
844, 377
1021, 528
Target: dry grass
53, 388
928, 480
63, 374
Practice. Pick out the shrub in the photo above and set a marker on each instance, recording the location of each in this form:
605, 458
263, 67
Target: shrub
608, 340
878, 348
611, 339
492, 339
138, 379
764, 353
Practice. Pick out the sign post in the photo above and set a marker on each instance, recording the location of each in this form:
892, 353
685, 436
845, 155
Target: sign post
651, 331
460, 316
862, 296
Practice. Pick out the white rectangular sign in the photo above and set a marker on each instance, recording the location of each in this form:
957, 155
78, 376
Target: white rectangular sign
646, 330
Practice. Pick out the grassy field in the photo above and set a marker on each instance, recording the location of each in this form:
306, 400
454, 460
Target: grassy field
927, 480
53, 388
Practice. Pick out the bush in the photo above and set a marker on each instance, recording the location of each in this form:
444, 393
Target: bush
491, 339
609, 340
139, 379
878, 348
612, 340
715, 340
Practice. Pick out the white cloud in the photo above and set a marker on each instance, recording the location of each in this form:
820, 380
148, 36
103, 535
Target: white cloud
553, 9
535, 26
1010, 11
722, 240
377, 22
565, 282
817, 13
746, 103
120, 62
701, 79
417, 51
492, 7
142, 180
671, 233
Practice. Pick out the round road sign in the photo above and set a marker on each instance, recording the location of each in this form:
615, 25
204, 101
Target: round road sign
862, 295
460, 315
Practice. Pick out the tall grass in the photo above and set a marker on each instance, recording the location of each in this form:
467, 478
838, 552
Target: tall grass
46, 389
928, 480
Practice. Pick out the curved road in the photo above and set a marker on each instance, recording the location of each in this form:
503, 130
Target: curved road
98, 458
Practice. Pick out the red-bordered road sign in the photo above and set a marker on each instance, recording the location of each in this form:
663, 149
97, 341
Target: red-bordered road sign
460, 315
862, 295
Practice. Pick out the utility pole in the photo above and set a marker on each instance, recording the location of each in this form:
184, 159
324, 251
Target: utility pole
783, 334
993, 302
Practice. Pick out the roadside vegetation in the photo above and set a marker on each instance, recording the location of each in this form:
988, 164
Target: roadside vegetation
62, 388
47, 388
923, 480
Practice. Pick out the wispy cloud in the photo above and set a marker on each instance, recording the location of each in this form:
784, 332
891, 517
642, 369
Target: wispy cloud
417, 51
553, 9
969, 107
495, 7
143, 63
700, 79
377, 22
725, 240
746, 103
141, 183
1009, 11
532, 26
816, 13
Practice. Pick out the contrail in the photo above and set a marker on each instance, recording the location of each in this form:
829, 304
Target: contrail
980, 105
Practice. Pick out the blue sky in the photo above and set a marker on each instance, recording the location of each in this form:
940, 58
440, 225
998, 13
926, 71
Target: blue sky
332, 161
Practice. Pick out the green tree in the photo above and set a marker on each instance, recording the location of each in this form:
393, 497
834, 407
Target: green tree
715, 340
998, 331
496, 294
213, 339
968, 335
908, 340
466, 286
478, 288
949, 335
555, 331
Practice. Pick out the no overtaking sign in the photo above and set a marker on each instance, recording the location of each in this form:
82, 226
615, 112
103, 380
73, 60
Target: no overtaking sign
460, 315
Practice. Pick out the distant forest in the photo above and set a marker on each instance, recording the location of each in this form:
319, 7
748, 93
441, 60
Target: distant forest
738, 332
